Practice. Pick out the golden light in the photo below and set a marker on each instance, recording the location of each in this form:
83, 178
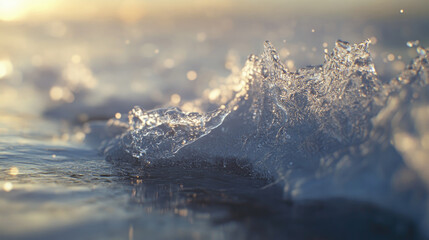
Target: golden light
191, 75
61, 93
56, 93
175, 99
13, 171
6, 67
169, 63
3, 71
130, 11
7, 187
79, 136
76, 59
214, 94
11, 10
290, 65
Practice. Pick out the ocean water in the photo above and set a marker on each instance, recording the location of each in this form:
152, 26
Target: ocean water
175, 130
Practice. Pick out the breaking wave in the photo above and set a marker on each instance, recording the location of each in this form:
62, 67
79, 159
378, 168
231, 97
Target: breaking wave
334, 130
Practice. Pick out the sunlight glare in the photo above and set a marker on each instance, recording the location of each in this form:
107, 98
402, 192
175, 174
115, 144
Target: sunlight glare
6, 68
12, 10
8, 186
13, 171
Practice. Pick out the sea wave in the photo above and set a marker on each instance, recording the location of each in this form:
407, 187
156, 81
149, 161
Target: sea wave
333, 130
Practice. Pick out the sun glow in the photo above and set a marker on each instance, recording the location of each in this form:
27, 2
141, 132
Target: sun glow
14, 10
132, 11
11, 10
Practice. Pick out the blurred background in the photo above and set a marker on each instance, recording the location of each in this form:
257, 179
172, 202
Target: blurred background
81, 60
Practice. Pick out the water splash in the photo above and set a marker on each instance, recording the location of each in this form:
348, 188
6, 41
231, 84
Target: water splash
413, 43
276, 120
160, 133
321, 131
302, 114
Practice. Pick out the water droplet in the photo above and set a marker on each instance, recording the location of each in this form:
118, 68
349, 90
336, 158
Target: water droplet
265, 72
373, 40
343, 44
421, 51
413, 43
275, 56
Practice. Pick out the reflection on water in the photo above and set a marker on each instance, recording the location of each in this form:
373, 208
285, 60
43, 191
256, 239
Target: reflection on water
221, 199
100, 202
56, 190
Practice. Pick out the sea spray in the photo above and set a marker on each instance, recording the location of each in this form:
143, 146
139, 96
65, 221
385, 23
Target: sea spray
276, 114
333, 130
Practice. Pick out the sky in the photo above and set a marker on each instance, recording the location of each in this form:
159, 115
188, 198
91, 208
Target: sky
134, 10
